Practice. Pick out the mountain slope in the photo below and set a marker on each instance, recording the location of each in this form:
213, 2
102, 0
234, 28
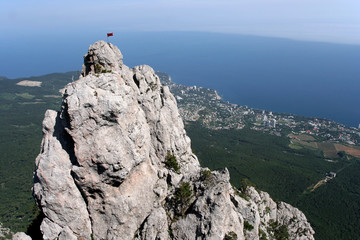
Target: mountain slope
116, 163
21, 112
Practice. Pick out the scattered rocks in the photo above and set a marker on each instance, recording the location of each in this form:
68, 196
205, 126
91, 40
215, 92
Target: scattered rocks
4, 231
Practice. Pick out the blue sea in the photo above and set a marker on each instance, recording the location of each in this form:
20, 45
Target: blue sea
305, 78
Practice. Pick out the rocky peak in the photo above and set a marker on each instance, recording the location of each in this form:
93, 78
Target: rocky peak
102, 57
116, 163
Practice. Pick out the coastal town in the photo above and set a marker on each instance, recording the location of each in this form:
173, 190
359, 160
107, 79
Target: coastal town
207, 107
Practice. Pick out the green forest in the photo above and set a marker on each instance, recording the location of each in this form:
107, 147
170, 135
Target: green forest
266, 160
22, 110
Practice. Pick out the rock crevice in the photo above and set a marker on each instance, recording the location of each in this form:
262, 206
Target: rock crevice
116, 163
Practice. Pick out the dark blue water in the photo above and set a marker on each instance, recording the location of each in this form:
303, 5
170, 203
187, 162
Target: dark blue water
306, 78
311, 79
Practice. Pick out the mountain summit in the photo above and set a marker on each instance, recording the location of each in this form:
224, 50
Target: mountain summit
116, 163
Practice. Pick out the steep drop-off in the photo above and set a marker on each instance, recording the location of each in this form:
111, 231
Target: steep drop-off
116, 163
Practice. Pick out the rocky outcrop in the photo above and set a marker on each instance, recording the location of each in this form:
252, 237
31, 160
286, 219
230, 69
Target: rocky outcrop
4, 231
21, 236
116, 163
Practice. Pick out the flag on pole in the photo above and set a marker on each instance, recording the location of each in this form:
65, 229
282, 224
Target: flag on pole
110, 34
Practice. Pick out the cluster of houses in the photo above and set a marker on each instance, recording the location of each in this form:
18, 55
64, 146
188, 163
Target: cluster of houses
325, 129
205, 105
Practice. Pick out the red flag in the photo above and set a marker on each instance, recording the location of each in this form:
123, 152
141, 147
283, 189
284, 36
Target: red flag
110, 34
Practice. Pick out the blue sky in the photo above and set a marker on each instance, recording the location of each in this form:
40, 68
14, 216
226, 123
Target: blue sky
39, 37
313, 20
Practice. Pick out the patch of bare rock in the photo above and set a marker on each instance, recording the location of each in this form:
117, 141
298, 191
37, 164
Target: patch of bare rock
116, 163
28, 83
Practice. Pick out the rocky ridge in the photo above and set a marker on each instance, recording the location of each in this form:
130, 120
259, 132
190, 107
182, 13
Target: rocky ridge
116, 163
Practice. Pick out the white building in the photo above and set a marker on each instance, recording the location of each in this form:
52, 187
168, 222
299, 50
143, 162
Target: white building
273, 123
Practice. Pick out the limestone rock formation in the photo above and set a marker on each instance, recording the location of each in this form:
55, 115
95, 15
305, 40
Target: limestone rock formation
116, 163
21, 236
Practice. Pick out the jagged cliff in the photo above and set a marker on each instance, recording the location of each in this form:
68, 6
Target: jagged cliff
116, 163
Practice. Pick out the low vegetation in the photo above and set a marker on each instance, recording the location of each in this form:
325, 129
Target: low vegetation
248, 226
262, 235
98, 68
245, 183
242, 194
182, 196
171, 163
206, 176
286, 173
279, 231
231, 236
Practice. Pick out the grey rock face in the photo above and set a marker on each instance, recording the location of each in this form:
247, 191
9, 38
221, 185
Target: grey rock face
116, 163
21, 236
102, 57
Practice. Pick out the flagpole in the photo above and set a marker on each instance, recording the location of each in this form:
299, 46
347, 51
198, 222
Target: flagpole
109, 35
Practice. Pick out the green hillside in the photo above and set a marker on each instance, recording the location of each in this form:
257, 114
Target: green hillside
286, 174
266, 160
22, 110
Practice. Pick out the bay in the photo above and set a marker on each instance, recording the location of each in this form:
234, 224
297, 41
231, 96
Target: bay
281, 75
306, 78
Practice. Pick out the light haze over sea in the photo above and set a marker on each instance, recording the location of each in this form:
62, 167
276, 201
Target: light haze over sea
208, 43
281, 75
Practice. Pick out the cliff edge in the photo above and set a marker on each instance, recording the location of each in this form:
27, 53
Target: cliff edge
116, 163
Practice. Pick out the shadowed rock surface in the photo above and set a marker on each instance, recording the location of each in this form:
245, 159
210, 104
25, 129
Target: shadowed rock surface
116, 163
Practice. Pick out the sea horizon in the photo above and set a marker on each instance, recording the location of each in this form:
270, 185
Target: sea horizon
313, 79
